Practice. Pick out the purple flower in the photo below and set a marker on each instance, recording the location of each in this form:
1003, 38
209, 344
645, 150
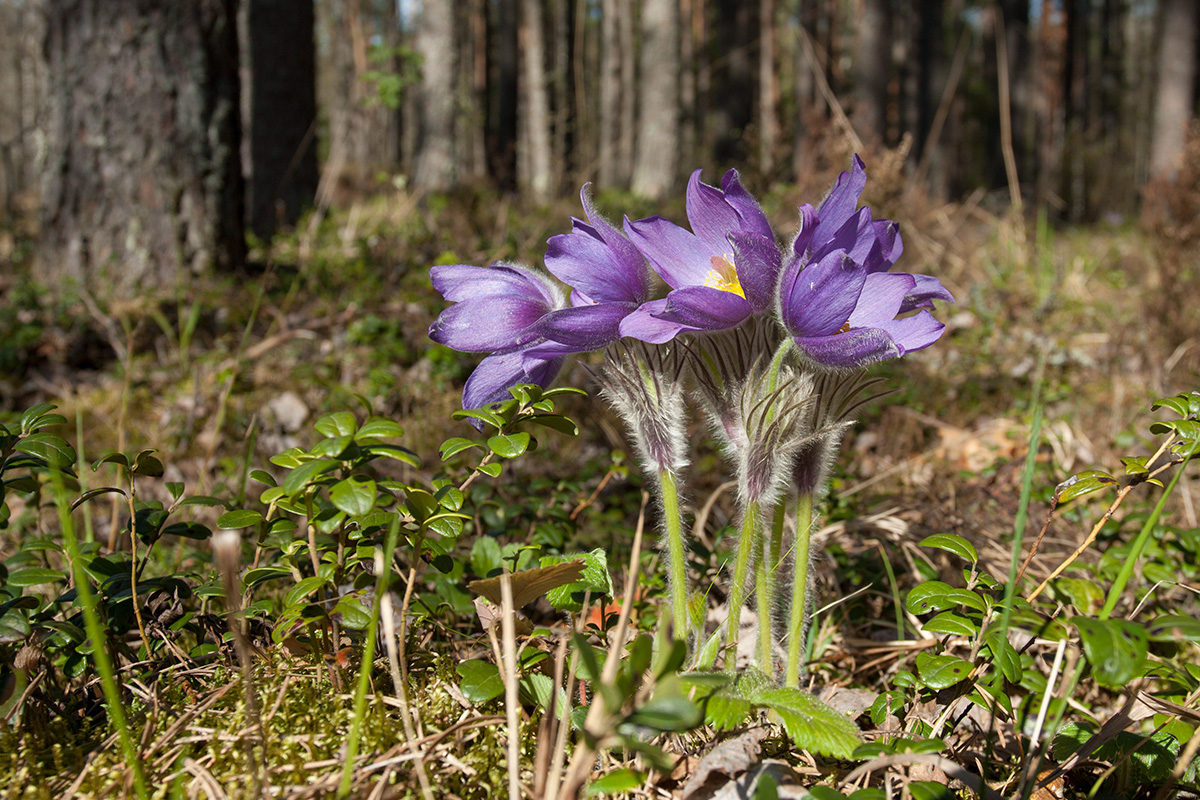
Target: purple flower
497, 310
837, 299
720, 273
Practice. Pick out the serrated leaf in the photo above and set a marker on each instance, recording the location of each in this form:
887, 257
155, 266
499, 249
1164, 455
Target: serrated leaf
52, 449
595, 578
952, 543
337, 424
619, 780
35, 576
940, 671
949, 623
939, 596
307, 472
379, 427
480, 682
1084, 483
239, 518
810, 723
453, 446
726, 709
510, 445
354, 495
1114, 648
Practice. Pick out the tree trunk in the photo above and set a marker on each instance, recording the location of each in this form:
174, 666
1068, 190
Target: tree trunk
536, 158
282, 169
628, 93
434, 157
1173, 106
871, 70
143, 180
610, 93
502, 93
658, 118
733, 104
768, 88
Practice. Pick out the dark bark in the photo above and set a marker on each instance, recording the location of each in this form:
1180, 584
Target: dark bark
283, 109
143, 180
1174, 108
434, 166
734, 81
871, 68
502, 93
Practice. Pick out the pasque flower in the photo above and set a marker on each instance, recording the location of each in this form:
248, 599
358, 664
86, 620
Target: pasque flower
837, 299
720, 272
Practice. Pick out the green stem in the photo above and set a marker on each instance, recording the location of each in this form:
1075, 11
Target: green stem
748, 545
382, 579
97, 638
767, 592
1139, 544
676, 554
797, 618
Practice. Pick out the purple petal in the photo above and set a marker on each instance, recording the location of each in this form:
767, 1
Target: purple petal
703, 308
644, 325
483, 324
915, 332
458, 282
880, 300
842, 199
712, 219
808, 226
758, 260
753, 218
490, 381
823, 296
586, 327
675, 253
888, 246
924, 293
855, 348
587, 263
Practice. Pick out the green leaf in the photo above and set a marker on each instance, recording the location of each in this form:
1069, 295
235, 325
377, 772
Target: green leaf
259, 575
1174, 628
1178, 403
333, 447
453, 446
289, 459
672, 712
485, 556
379, 427
556, 422
112, 458
355, 615
619, 780
145, 463
263, 477
188, 530
205, 500
307, 472
394, 452
421, 504
337, 424
35, 417
354, 495
928, 790
940, 672
239, 518
810, 723
14, 627
889, 703
596, 578
1084, 483
303, 589
52, 449
1004, 655
952, 624
481, 681
88, 495
509, 446
939, 596
952, 543
481, 414
491, 470
35, 576
175, 488
1114, 648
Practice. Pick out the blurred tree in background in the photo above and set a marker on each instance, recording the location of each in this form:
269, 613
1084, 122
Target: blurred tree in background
1065, 105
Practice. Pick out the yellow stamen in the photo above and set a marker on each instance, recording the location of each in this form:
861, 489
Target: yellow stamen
724, 276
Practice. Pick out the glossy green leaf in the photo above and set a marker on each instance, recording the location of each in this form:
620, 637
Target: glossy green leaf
254, 577
556, 422
939, 596
303, 589
491, 470
672, 712
1114, 648
35, 576
336, 425
481, 681
619, 780
394, 452
941, 671
354, 495
112, 458
379, 427
949, 623
1004, 656
147, 464
262, 476
52, 449
1174, 628
188, 530
239, 518
952, 543
510, 445
453, 446
334, 447
204, 500
1084, 483
596, 578
307, 472
355, 615
93, 493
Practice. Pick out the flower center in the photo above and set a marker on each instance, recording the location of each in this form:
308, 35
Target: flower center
724, 276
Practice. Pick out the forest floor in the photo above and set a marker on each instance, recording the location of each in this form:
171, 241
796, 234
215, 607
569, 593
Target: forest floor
1075, 330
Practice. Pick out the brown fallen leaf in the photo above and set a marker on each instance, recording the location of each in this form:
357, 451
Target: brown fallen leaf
724, 763
530, 584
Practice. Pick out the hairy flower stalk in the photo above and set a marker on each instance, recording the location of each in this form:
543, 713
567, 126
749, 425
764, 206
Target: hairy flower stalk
645, 385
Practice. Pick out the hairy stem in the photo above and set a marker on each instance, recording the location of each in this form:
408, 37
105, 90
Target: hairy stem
797, 617
748, 546
676, 554
767, 592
